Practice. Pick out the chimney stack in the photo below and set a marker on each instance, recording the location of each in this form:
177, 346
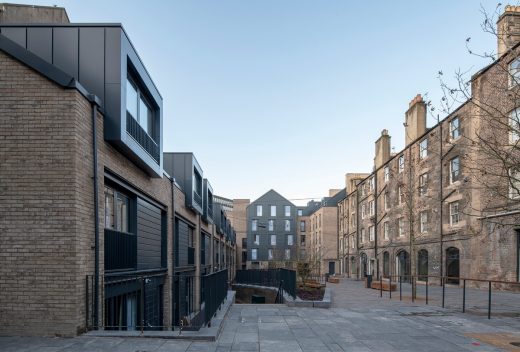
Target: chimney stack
508, 29
382, 149
415, 123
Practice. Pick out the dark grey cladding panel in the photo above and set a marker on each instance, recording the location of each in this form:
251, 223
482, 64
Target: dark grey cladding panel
92, 60
16, 34
39, 41
181, 243
66, 56
113, 57
149, 235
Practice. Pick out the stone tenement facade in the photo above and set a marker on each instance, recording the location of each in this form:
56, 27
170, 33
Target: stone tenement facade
447, 204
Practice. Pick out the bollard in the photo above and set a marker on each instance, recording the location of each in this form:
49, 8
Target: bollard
489, 301
400, 288
443, 290
464, 296
380, 286
390, 287
426, 289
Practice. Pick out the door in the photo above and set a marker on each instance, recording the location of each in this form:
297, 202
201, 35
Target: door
332, 268
364, 265
403, 266
452, 265
422, 264
386, 264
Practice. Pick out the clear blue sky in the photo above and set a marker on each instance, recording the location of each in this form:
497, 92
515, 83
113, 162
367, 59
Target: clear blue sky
290, 94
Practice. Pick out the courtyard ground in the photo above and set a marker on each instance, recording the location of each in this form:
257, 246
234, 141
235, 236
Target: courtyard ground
358, 321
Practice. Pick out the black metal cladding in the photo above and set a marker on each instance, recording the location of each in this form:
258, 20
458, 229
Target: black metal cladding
208, 202
149, 239
188, 174
100, 57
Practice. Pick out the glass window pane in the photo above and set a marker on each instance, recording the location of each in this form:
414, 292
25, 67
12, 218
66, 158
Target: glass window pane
144, 115
131, 99
109, 208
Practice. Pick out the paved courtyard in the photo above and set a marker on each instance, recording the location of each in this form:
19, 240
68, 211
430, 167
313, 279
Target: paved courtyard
359, 321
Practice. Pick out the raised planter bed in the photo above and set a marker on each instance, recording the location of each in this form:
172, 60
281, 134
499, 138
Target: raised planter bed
386, 285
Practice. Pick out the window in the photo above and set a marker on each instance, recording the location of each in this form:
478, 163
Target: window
353, 221
386, 230
269, 254
300, 212
363, 190
423, 148
271, 225
287, 210
400, 194
371, 207
454, 169
454, 128
257, 240
273, 240
387, 201
401, 163
138, 107
363, 211
387, 173
514, 183
514, 126
254, 225
362, 235
371, 183
116, 210
290, 240
514, 73
273, 210
400, 226
371, 233
423, 184
352, 242
258, 210
302, 226
454, 213
423, 221
254, 254
287, 225
287, 254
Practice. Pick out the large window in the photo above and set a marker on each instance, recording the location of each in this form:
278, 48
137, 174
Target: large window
454, 169
454, 213
423, 217
514, 183
454, 128
514, 73
287, 210
290, 240
387, 173
401, 163
423, 184
371, 208
271, 225
138, 107
362, 235
386, 230
302, 226
270, 254
273, 210
258, 210
387, 201
257, 240
514, 126
371, 233
287, 225
254, 225
300, 212
254, 254
273, 240
116, 210
400, 226
423, 148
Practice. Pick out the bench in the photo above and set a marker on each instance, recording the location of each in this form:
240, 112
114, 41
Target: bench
311, 284
334, 280
386, 285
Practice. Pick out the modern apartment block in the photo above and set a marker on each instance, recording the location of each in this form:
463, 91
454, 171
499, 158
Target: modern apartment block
94, 231
444, 205
271, 232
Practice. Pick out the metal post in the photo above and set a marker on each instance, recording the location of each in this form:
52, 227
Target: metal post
381, 286
413, 291
443, 290
489, 301
400, 288
390, 290
86, 301
464, 296
426, 289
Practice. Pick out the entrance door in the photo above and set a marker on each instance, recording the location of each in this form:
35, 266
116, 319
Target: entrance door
403, 266
452, 265
332, 268
422, 264
364, 270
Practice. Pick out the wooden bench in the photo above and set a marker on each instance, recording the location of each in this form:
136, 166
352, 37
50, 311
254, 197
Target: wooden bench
311, 284
386, 285
333, 280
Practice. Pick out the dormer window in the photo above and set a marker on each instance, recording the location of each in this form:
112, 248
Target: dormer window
514, 73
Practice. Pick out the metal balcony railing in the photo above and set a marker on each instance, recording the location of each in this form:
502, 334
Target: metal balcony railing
136, 131
197, 198
120, 250
191, 256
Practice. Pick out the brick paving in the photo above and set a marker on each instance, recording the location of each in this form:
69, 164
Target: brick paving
359, 321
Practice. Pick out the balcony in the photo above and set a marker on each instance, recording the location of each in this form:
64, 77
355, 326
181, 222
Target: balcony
197, 198
120, 250
136, 131
191, 256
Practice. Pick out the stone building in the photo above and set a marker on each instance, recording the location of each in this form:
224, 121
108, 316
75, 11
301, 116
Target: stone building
447, 204
91, 223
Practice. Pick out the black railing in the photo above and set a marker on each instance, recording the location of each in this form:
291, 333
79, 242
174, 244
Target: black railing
136, 131
284, 278
215, 292
210, 211
197, 198
120, 250
438, 290
191, 256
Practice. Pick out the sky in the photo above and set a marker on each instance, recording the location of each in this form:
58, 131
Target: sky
291, 94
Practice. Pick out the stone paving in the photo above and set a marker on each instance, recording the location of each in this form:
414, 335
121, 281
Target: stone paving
358, 321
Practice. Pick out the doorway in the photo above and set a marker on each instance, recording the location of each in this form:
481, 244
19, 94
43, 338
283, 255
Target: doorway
403, 265
452, 265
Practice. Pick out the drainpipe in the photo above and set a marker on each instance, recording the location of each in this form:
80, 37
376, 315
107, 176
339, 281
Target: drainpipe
375, 225
172, 180
442, 201
94, 106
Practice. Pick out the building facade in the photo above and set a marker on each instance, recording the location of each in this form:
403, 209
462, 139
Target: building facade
94, 230
271, 232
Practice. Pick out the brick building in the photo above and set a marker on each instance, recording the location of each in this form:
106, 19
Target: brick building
444, 205
90, 221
